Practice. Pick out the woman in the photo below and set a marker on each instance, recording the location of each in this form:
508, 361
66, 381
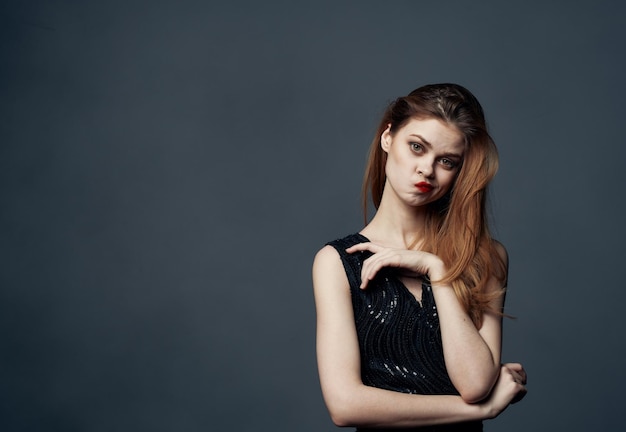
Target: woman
409, 310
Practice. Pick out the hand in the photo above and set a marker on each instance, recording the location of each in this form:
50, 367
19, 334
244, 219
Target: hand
415, 262
519, 375
510, 388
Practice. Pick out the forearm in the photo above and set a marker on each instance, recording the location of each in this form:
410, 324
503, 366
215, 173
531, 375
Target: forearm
364, 406
472, 365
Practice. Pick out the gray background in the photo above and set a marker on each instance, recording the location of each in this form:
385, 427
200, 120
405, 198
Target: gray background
168, 170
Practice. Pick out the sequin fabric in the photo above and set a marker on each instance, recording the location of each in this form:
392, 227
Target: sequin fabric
399, 337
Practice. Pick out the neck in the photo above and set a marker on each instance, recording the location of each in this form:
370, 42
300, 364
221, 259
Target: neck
396, 224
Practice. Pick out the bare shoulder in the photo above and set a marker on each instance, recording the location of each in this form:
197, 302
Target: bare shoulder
327, 260
328, 269
327, 255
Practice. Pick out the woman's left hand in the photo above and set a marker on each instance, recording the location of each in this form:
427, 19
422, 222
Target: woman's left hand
416, 262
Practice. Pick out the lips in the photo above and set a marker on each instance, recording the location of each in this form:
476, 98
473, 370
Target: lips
424, 187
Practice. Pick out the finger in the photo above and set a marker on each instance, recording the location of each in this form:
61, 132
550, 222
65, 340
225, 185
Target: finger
518, 378
364, 277
368, 273
359, 247
522, 374
514, 366
519, 371
371, 267
515, 376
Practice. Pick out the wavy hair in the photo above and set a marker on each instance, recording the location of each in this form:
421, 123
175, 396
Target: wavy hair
456, 227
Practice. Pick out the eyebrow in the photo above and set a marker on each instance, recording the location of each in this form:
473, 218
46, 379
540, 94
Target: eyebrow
423, 139
430, 146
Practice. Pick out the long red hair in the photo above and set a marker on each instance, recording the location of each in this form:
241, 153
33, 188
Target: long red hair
456, 226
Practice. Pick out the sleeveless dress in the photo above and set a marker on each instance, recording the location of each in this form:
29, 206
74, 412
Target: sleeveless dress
399, 337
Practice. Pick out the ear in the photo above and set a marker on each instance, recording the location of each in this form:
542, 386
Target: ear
385, 139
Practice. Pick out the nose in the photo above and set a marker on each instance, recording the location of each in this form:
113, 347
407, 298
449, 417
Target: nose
425, 168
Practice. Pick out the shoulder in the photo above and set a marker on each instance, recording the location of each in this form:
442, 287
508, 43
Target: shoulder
334, 252
329, 263
328, 256
329, 277
334, 266
345, 242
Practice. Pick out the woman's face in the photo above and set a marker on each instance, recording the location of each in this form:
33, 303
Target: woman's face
423, 160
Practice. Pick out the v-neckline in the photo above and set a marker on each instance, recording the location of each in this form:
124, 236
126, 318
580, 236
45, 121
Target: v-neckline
420, 301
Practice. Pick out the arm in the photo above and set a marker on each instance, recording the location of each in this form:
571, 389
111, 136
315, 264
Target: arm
472, 356
349, 401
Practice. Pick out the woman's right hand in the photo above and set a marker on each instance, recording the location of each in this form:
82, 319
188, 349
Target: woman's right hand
413, 261
510, 388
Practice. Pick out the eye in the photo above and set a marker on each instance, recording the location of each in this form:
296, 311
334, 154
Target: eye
448, 163
416, 147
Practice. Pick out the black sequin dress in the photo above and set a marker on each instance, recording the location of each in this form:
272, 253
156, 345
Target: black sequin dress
399, 338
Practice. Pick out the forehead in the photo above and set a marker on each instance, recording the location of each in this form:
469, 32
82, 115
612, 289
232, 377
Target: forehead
439, 134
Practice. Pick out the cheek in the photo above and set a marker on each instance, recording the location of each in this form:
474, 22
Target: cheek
448, 180
398, 160
392, 163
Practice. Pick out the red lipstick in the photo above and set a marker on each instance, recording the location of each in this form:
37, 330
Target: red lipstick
424, 187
